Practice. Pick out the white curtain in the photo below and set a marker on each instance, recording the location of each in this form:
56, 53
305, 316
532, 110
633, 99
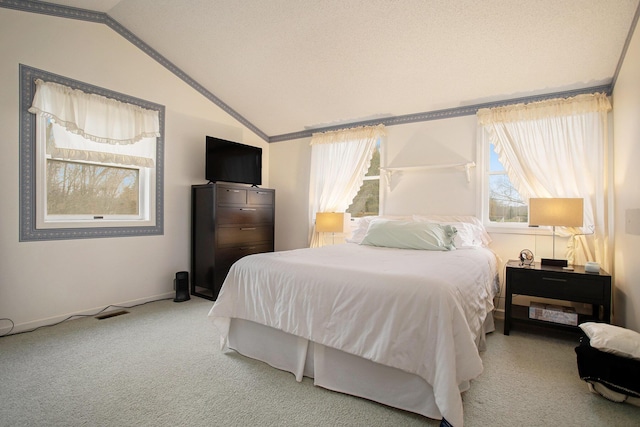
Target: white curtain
96, 128
558, 148
339, 161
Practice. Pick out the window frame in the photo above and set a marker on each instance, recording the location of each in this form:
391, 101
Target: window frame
30, 161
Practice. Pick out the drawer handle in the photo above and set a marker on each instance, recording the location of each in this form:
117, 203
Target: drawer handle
261, 192
247, 209
247, 228
553, 279
248, 247
233, 191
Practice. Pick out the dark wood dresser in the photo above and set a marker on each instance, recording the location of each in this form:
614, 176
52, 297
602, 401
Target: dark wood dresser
229, 221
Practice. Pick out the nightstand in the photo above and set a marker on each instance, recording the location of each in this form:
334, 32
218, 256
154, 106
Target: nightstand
559, 284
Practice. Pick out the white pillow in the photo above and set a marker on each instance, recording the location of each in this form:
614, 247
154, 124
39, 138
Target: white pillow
613, 339
471, 232
410, 235
362, 225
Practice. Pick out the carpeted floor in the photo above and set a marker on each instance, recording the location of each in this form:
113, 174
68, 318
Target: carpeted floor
159, 365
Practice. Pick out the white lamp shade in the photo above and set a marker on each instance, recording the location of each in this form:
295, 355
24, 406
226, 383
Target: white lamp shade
332, 222
561, 212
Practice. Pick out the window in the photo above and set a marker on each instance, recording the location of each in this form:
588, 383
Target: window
367, 201
86, 192
78, 182
503, 204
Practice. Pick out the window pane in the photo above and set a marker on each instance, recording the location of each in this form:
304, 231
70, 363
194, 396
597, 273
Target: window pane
505, 203
494, 163
86, 189
367, 200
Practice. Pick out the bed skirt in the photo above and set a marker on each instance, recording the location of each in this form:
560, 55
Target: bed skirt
336, 370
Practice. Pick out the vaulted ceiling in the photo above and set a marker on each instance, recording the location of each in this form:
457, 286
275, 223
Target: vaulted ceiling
288, 66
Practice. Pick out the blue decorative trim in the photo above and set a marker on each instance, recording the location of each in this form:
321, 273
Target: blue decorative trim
627, 42
45, 8
442, 114
103, 18
28, 230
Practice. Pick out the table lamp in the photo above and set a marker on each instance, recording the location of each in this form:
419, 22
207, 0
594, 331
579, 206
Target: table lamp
332, 222
556, 212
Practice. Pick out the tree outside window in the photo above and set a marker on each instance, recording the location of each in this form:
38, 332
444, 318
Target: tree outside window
505, 203
367, 201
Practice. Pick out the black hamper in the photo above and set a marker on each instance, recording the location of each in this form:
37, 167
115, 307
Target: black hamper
616, 373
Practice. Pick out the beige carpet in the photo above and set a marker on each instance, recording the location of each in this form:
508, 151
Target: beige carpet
159, 365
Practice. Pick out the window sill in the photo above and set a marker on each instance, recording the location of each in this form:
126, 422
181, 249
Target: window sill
517, 229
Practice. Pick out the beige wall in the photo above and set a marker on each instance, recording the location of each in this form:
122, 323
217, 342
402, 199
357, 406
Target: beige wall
626, 130
42, 282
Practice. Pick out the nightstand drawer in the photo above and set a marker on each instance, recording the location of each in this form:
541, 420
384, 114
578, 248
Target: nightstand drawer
558, 285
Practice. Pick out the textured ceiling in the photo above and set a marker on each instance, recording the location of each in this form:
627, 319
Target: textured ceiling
290, 65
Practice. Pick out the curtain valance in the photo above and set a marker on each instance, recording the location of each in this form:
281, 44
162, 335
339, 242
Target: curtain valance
558, 107
94, 117
346, 135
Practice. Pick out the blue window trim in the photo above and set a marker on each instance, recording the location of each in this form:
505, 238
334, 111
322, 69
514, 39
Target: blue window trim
28, 230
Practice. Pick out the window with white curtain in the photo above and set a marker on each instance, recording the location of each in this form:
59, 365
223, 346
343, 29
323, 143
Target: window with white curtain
339, 161
559, 148
94, 164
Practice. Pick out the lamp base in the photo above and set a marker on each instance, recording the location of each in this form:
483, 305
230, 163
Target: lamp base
554, 262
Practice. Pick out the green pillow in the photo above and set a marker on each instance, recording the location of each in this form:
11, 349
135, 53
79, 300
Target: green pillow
410, 235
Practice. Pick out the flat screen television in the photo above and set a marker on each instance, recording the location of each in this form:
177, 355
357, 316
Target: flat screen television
233, 162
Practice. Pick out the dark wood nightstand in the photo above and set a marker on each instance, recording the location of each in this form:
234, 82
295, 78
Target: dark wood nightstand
559, 284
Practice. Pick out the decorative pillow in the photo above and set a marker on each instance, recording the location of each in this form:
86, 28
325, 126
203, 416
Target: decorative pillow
410, 235
613, 339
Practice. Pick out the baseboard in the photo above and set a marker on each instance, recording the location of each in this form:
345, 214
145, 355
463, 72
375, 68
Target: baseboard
29, 326
498, 313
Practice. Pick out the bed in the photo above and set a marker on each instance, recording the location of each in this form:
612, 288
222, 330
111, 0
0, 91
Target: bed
399, 326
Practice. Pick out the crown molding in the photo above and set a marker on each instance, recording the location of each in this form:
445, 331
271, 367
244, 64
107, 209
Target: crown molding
444, 114
625, 48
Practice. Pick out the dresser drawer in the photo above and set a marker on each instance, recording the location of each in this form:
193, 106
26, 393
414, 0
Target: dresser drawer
562, 286
260, 197
244, 215
240, 236
227, 195
227, 256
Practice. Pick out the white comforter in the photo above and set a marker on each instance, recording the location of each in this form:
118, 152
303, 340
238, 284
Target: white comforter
418, 311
